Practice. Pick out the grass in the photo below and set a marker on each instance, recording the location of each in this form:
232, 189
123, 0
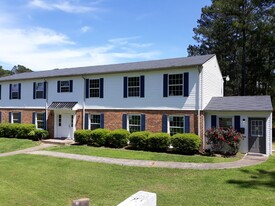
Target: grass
47, 181
139, 155
11, 144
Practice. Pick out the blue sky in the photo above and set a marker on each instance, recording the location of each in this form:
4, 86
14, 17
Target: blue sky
48, 34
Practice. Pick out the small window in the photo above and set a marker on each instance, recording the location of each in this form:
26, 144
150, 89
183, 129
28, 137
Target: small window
39, 90
15, 117
72, 121
59, 120
40, 121
176, 124
133, 86
225, 122
15, 91
175, 83
94, 88
134, 123
95, 121
65, 86
257, 128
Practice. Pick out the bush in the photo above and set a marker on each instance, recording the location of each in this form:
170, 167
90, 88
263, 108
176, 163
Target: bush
158, 141
138, 140
40, 134
117, 138
16, 130
185, 143
98, 137
82, 136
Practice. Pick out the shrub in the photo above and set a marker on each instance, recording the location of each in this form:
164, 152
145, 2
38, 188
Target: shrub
82, 136
223, 140
185, 143
158, 141
117, 138
41, 134
138, 140
98, 137
16, 130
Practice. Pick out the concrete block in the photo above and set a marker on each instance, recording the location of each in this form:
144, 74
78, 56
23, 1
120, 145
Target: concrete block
141, 198
81, 202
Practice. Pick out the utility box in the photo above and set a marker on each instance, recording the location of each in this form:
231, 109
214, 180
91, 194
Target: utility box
81, 202
141, 198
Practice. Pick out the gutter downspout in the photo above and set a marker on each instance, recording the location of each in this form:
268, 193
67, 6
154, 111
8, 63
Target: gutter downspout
84, 104
199, 103
47, 102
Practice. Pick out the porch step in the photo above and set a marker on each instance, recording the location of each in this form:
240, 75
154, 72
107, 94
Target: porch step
256, 154
59, 141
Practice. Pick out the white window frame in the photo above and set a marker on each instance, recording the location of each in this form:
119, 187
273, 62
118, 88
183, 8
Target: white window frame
133, 87
12, 91
36, 120
12, 118
90, 122
171, 85
176, 127
133, 125
39, 90
94, 88
227, 117
65, 88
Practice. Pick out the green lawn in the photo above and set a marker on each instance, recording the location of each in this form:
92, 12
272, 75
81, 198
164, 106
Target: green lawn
11, 144
139, 155
39, 180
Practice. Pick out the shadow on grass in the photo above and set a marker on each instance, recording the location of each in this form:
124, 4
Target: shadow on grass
258, 178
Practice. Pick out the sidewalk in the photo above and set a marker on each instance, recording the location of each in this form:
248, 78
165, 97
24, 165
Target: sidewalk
246, 161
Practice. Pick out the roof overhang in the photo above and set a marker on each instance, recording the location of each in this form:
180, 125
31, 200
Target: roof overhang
63, 106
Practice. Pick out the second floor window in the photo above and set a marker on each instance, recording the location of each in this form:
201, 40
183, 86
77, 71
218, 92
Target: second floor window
39, 90
15, 90
94, 88
133, 86
175, 83
65, 86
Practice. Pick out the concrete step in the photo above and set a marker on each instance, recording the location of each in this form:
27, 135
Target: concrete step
256, 154
59, 141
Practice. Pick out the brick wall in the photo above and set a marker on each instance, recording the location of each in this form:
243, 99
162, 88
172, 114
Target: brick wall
26, 115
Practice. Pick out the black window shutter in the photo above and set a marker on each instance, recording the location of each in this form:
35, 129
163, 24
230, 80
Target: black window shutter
237, 123
102, 120
164, 123
86, 120
0, 91
186, 84
45, 121
33, 95
19, 117
165, 85
213, 121
58, 86
124, 121
143, 122
0, 117
187, 124
125, 86
142, 86
19, 91
87, 88
10, 117
101, 81
71, 85
10, 90
45, 90
33, 117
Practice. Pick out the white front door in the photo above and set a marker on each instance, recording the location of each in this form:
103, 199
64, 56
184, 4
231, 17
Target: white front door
64, 124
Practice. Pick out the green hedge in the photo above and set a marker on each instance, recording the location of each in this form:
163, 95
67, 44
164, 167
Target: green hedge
158, 141
117, 138
82, 136
185, 143
38, 134
16, 130
98, 137
138, 140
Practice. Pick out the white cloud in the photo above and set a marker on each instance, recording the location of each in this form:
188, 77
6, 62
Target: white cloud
85, 29
65, 6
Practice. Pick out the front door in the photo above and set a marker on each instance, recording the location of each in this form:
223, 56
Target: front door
256, 135
65, 125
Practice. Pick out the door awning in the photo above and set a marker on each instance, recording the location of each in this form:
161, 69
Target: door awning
62, 105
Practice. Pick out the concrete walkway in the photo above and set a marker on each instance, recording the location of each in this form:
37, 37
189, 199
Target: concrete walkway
248, 160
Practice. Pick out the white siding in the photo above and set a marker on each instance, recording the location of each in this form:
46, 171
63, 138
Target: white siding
245, 116
211, 81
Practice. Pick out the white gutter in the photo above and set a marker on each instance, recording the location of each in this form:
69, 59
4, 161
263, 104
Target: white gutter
46, 105
199, 101
84, 104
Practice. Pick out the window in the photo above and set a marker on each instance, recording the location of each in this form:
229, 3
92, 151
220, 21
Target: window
40, 120
134, 123
94, 88
176, 124
257, 128
133, 86
59, 120
16, 117
175, 84
15, 91
95, 121
39, 90
65, 86
225, 122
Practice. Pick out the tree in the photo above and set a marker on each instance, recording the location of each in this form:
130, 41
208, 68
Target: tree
20, 69
241, 34
4, 72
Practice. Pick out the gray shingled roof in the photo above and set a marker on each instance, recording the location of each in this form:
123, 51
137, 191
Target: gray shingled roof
114, 68
240, 103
